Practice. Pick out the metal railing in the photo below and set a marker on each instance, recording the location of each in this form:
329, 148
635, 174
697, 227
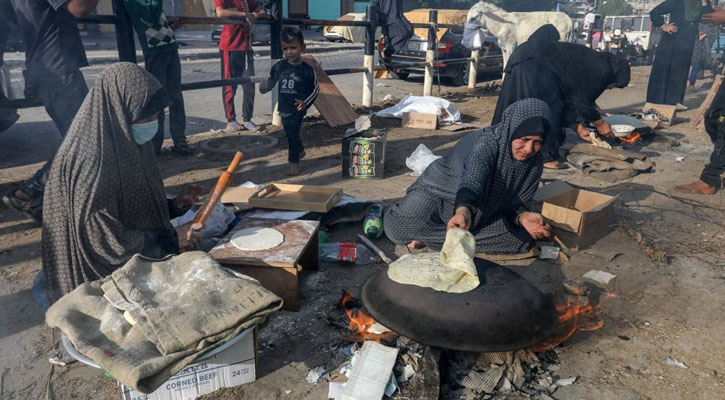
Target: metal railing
127, 52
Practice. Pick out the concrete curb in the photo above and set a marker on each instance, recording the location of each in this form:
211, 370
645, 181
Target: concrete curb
202, 54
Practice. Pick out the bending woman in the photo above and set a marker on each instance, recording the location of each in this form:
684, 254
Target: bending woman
568, 77
484, 184
105, 200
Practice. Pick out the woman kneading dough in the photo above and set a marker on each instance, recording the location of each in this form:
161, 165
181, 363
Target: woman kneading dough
484, 184
105, 200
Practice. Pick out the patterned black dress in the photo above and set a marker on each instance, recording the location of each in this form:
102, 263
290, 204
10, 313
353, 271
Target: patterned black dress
480, 173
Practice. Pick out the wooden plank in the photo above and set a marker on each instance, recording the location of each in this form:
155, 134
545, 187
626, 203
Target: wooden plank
698, 121
279, 196
331, 104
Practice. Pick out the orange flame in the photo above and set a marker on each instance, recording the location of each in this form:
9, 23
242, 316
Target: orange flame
631, 138
361, 323
576, 313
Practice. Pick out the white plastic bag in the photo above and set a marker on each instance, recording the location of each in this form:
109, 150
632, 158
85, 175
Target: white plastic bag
420, 159
444, 109
472, 35
215, 225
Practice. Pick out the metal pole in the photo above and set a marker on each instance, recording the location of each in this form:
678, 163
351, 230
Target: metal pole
473, 69
430, 54
371, 16
124, 33
275, 28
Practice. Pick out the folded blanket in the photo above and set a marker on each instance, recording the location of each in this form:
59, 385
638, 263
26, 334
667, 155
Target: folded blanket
151, 318
609, 165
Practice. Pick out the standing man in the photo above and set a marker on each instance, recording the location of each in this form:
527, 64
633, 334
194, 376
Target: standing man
237, 58
711, 177
161, 58
53, 57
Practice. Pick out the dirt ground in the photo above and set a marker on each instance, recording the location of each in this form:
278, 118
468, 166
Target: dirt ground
662, 309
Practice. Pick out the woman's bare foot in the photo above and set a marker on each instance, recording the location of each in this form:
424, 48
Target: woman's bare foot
414, 245
551, 165
697, 187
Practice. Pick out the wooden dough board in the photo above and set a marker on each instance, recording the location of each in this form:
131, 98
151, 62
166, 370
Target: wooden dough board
331, 104
276, 269
280, 196
297, 235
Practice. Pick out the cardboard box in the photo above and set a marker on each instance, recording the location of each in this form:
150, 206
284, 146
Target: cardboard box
363, 155
231, 366
420, 121
666, 111
578, 217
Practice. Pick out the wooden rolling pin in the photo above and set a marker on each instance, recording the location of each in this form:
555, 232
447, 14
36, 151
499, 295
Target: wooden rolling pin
221, 185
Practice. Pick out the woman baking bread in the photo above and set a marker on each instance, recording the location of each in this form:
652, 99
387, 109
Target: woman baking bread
105, 200
484, 184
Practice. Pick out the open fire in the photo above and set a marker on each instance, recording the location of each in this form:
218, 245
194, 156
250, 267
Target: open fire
632, 138
577, 312
363, 325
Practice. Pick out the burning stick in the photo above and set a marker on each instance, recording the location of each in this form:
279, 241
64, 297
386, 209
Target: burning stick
221, 185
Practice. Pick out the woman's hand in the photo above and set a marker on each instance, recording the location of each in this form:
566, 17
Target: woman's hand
461, 219
669, 28
603, 128
534, 224
189, 195
188, 235
702, 37
584, 133
716, 17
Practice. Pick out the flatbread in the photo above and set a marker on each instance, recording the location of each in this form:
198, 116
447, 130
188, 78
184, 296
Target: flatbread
452, 271
256, 239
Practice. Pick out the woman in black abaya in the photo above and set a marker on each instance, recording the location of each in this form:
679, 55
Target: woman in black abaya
568, 77
668, 78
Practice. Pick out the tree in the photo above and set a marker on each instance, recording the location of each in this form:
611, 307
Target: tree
614, 7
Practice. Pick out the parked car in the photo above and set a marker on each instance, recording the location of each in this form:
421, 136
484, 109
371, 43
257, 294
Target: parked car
629, 36
260, 34
449, 47
349, 34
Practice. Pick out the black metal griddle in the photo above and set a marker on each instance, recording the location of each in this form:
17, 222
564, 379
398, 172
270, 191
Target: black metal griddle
504, 313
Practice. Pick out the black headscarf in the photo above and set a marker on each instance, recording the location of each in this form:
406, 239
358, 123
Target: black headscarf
546, 32
534, 46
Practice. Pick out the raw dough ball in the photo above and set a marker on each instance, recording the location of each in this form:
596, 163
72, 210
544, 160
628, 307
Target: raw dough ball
254, 239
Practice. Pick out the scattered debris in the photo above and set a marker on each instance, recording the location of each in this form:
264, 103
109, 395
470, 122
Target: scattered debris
673, 362
549, 253
624, 337
371, 373
387, 97
566, 381
362, 123
420, 159
679, 159
598, 276
315, 375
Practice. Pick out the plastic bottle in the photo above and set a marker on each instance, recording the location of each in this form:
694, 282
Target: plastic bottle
347, 252
373, 225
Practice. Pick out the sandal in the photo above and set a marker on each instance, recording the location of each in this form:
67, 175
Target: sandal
250, 126
32, 208
182, 148
234, 126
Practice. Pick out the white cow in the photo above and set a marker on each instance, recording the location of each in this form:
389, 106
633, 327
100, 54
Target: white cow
514, 28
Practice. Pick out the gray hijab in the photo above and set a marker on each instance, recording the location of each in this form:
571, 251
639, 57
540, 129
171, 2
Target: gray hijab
104, 190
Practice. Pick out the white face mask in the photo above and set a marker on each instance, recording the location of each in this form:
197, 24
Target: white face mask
142, 133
